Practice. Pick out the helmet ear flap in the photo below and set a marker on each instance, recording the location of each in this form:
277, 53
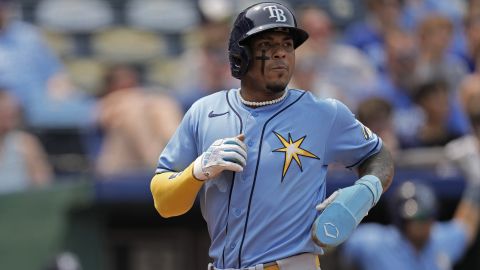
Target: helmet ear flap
235, 65
239, 62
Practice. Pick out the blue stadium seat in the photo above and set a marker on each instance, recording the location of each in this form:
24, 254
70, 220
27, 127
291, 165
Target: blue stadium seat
86, 73
126, 45
74, 16
167, 16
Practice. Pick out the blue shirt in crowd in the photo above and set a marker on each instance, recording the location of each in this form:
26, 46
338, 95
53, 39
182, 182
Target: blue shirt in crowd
379, 247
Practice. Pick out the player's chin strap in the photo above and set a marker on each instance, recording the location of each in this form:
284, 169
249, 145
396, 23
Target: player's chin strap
344, 210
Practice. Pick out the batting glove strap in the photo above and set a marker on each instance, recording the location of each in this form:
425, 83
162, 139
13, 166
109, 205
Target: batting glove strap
373, 184
224, 154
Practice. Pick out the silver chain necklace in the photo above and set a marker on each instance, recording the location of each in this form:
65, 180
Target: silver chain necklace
262, 103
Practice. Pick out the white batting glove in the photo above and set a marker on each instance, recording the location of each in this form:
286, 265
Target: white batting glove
224, 154
465, 153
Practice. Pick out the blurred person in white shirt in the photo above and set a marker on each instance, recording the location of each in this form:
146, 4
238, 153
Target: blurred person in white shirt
338, 70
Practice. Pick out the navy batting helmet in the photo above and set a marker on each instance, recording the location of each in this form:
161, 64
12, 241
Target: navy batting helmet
256, 19
413, 201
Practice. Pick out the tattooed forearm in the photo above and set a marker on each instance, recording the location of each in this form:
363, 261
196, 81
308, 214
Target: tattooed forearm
380, 165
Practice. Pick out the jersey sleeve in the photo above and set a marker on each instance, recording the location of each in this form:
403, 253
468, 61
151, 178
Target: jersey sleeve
181, 150
452, 237
349, 141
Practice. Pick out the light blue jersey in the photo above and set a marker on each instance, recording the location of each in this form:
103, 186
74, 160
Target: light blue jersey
379, 247
265, 213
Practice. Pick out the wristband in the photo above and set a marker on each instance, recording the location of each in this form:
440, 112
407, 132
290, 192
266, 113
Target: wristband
374, 184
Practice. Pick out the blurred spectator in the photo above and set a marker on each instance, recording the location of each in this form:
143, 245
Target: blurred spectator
434, 37
329, 62
434, 60
305, 77
432, 96
398, 83
473, 8
470, 100
377, 114
368, 34
398, 78
135, 121
416, 10
206, 68
35, 76
465, 151
415, 240
23, 162
472, 47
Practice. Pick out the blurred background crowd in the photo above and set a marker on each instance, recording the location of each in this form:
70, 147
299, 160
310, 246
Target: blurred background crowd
95, 88
103, 84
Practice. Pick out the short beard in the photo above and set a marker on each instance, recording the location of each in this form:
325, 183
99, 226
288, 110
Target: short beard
276, 88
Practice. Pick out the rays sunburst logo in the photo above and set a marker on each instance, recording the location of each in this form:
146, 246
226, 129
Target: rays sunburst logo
292, 150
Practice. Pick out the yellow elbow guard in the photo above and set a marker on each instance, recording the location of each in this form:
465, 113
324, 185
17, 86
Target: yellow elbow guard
174, 193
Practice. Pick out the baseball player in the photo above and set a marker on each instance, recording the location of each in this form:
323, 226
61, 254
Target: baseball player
257, 157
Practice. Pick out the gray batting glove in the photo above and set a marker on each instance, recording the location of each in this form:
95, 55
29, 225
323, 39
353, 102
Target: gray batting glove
224, 154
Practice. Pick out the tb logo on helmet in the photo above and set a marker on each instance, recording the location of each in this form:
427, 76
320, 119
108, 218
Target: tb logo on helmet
276, 12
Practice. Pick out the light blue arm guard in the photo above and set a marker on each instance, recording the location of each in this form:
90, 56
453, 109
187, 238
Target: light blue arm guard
340, 218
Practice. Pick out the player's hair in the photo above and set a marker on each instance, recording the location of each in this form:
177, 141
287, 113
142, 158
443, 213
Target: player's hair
424, 88
374, 109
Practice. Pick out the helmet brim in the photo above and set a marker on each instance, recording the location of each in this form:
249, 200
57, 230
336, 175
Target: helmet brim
299, 36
